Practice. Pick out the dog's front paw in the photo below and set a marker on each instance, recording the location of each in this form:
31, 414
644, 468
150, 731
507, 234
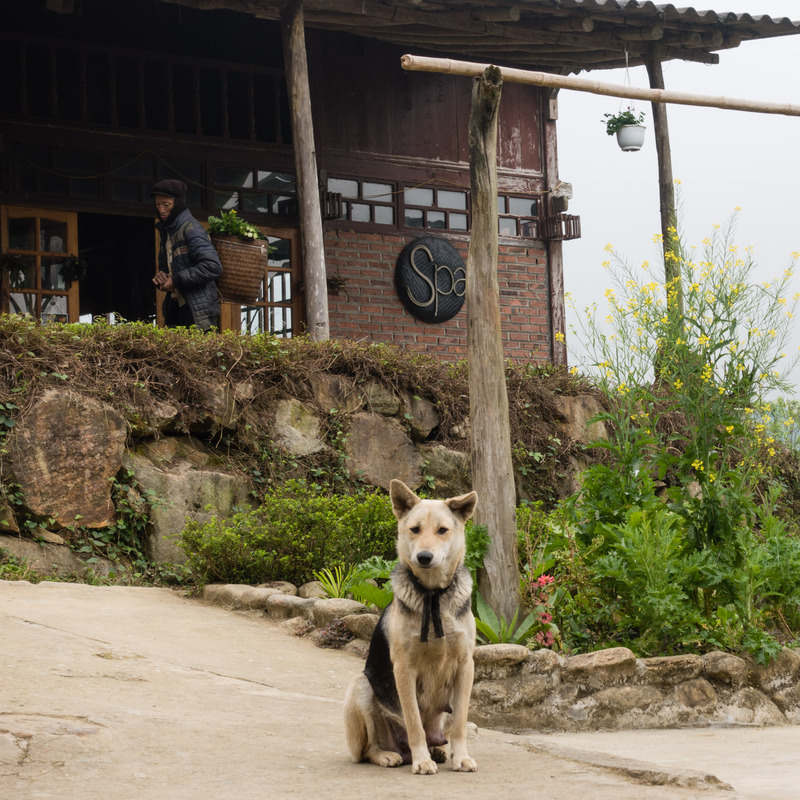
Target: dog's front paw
439, 755
425, 767
465, 764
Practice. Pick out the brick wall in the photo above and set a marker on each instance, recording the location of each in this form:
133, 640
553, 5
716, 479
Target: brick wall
367, 307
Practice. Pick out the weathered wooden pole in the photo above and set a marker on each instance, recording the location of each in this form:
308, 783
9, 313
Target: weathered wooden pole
555, 256
666, 184
492, 469
305, 159
532, 78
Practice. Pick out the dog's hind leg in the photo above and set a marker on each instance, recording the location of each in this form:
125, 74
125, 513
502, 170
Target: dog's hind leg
361, 726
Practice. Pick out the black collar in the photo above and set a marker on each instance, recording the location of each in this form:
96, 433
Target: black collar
430, 608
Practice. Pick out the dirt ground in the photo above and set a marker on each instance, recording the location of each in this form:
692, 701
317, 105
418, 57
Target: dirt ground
118, 693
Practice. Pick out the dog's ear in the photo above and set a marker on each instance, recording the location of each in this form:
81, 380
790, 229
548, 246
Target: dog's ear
403, 499
463, 506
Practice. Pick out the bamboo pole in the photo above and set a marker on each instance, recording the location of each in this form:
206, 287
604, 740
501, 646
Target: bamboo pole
305, 158
492, 468
532, 78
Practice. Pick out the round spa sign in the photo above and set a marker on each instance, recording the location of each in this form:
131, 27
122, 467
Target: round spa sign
431, 279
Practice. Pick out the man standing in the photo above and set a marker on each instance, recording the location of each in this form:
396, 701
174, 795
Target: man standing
188, 265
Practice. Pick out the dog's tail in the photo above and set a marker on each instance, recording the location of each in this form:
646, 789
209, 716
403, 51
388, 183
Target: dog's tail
355, 725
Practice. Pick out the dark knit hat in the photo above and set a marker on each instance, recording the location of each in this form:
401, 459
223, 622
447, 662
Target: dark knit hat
170, 188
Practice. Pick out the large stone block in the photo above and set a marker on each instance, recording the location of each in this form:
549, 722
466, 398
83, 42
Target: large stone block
65, 453
600, 669
297, 428
177, 472
379, 450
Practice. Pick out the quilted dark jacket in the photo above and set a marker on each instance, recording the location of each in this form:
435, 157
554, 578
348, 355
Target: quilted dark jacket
195, 269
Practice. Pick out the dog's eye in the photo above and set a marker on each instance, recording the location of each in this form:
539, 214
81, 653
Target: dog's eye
416, 529
442, 531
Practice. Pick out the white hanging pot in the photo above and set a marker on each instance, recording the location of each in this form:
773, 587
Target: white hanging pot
631, 137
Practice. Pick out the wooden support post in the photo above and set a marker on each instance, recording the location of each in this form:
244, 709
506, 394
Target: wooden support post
555, 258
492, 469
666, 185
305, 159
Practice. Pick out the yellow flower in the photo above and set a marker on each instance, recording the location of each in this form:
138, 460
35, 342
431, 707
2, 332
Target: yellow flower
729, 428
559, 336
609, 248
678, 384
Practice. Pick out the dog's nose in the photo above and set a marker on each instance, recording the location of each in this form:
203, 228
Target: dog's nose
424, 558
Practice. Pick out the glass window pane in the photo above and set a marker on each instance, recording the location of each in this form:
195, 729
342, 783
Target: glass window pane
452, 199
508, 227
276, 181
280, 252
228, 176
257, 202
22, 273
359, 212
377, 191
54, 308
501, 205
419, 197
458, 222
522, 206
343, 187
279, 287
51, 274
436, 219
414, 218
384, 215
252, 319
22, 303
52, 236
226, 200
22, 233
285, 206
280, 321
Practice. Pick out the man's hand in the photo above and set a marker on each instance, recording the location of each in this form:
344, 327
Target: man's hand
163, 281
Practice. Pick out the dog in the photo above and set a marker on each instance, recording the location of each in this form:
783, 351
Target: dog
419, 670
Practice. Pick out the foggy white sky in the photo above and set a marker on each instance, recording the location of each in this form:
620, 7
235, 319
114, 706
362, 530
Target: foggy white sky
723, 159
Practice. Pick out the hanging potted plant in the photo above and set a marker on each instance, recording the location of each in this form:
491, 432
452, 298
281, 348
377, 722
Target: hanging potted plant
628, 127
243, 252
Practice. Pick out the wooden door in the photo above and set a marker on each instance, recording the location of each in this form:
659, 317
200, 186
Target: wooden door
37, 244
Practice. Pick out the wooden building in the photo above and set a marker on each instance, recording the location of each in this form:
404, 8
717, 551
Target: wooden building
101, 99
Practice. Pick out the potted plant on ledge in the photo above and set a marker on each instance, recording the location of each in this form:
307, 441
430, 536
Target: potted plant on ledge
628, 127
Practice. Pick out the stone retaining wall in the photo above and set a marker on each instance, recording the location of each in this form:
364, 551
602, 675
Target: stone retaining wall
518, 690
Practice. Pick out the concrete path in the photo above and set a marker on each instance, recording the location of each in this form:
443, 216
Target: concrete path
132, 693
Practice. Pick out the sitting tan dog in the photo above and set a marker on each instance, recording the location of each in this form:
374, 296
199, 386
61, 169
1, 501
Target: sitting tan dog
419, 671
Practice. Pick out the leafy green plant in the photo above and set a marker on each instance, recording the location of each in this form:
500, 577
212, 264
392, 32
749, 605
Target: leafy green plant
336, 581
297, 529
614, 122
229, 223
669, 518
494, 630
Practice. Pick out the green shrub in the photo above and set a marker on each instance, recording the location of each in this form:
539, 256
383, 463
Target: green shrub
295, 532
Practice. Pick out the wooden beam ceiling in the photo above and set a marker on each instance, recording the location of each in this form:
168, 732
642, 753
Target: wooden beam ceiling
562, 36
